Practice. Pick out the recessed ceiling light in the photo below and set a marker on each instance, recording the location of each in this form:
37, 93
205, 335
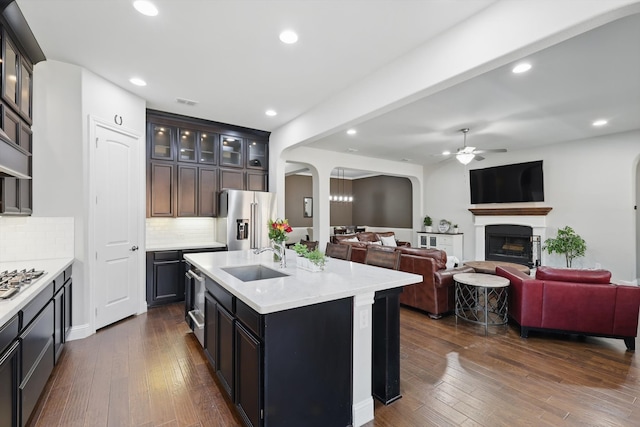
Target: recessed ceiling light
137, 81
145, 7
352, 150
288, 37
351, 132
523, 67
600, 122
271, 113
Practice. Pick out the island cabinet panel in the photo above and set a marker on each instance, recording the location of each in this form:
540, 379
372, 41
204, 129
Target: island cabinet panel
226, 339
291, 367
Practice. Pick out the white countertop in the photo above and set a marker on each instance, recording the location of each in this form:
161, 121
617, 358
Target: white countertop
183, 246
340, 279
52, 267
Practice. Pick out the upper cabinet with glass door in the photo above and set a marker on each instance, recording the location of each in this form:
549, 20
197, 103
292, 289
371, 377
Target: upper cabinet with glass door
187, 151
161, 136
207, 148
16, 80
231, 151
257, 155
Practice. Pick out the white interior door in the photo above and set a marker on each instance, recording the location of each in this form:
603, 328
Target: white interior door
115, 284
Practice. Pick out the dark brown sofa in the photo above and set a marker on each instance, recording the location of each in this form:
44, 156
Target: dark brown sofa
436, 293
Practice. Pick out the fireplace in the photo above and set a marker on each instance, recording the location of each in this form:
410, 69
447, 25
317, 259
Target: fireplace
509, 243
532, 217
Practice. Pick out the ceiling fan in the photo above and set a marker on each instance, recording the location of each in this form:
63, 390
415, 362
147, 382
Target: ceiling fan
465, 154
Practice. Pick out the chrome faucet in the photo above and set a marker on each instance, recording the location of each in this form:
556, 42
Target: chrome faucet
278, 249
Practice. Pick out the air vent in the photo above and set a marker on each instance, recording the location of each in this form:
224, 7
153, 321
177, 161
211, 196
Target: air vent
186, 101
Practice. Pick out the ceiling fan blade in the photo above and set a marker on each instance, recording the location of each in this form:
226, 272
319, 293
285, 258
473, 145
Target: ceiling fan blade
490, 150
478, 158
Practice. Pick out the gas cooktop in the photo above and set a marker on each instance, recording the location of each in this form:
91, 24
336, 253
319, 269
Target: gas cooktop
11, 282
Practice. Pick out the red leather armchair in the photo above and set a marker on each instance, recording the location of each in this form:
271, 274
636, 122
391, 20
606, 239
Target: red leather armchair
573, 301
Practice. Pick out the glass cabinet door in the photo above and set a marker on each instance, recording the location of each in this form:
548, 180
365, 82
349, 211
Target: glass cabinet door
207, 148
11, 63
161, 142
231, 151
257, 157
25, 89
187, 145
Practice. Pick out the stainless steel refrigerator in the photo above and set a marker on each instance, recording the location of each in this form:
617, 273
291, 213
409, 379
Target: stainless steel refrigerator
242, 218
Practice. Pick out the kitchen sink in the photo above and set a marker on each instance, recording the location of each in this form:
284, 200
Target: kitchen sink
250, 273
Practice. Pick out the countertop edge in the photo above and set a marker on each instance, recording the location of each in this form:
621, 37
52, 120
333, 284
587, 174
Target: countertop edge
235, 286
53, 267
187, 246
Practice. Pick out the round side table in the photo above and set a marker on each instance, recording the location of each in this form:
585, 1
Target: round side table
481, 298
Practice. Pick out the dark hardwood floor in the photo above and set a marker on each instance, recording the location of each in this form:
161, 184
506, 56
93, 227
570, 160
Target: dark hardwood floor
150, 371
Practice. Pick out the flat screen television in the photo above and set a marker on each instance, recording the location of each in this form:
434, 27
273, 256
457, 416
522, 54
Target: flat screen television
520, 182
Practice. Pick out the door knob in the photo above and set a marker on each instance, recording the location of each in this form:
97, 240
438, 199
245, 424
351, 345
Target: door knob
133, 248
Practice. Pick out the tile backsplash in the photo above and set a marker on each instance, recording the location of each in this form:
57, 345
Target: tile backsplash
161, 231
33, 238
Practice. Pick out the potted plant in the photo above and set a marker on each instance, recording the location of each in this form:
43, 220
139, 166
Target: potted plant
427, 224
455, 228
309, 260
568, 243
300, 249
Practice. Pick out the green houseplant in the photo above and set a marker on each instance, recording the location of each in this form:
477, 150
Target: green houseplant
568, 243
427, 221
309, 260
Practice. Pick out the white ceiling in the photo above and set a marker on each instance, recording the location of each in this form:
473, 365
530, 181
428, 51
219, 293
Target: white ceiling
226, 55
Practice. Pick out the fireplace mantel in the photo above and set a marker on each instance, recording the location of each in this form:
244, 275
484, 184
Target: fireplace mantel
539, 211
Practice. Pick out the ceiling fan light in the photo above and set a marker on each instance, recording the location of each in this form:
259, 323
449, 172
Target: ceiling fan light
465, 158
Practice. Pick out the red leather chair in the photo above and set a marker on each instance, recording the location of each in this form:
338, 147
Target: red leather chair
572, 301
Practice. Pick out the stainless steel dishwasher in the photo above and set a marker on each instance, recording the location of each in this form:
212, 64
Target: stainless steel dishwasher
194, 302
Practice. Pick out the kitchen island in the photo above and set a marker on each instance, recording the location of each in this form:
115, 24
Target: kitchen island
311, 333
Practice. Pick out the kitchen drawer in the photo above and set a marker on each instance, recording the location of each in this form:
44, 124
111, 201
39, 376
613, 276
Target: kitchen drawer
166, 255
67, 274
9, 332
32, 387
35, 338
58, 283
223, 296
249, 318
31, 310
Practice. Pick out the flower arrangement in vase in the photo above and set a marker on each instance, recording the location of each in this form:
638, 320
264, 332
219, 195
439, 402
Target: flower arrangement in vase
278, 231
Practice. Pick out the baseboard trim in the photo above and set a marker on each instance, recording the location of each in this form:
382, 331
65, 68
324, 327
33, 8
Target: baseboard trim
79, 332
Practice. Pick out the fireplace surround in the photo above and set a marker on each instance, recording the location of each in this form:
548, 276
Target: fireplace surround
533, 217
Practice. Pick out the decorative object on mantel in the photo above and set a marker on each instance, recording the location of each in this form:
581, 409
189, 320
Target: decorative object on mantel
568, 243
309, 260
455, 228
533, 211
427, 224
444, 226
278, 231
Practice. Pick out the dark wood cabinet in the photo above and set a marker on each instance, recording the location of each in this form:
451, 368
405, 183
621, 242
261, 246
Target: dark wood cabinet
9, 376
248, 378
211, 330
187, 190
62, 300
257, 181
160, 188
231, 179
225, 363
165, 272
19, 51
254, 355
190, 160
207, 192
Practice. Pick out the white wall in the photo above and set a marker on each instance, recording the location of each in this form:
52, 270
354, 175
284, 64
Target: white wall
64, 97
590, 184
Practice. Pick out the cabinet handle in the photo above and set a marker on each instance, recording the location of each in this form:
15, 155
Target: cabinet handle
133, 248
